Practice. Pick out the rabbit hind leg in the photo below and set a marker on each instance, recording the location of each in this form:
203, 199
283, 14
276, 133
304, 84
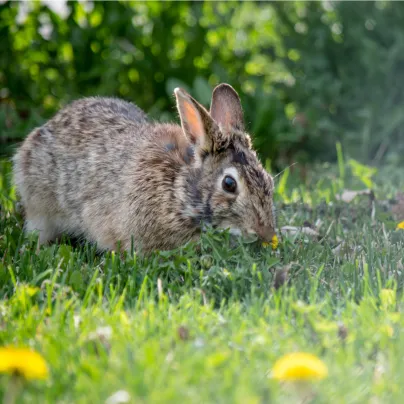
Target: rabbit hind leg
47, 228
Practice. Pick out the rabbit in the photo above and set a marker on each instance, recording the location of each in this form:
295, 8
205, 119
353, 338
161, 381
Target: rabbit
100, 169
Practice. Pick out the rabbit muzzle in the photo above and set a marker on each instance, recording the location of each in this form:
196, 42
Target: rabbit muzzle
265, 233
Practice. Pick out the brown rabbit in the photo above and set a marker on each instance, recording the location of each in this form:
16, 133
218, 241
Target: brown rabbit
100, 169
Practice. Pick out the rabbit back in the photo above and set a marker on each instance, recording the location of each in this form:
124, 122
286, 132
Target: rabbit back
88, 170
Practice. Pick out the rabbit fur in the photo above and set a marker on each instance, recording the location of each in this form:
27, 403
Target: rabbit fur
101, 169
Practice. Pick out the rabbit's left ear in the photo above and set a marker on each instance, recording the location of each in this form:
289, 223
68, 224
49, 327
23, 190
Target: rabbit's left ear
226, 108
196, 122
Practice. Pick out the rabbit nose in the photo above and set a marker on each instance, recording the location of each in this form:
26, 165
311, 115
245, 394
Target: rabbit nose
265, 233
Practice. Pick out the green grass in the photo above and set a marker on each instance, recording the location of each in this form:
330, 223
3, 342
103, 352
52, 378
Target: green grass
204, 323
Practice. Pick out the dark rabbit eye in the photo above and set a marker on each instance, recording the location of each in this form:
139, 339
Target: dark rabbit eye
229, 184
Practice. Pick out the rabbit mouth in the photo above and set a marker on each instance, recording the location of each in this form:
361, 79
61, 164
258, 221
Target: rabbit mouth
247, 236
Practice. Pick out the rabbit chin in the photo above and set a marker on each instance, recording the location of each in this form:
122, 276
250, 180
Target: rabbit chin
235, 232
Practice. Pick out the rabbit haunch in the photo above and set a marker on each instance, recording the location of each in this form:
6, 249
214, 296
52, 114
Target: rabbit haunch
100, 169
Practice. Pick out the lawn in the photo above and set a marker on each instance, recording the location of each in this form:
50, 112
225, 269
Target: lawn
207, 322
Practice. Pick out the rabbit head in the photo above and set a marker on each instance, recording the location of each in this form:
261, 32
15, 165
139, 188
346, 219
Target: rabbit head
226, 186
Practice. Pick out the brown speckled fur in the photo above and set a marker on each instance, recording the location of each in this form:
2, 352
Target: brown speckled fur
100, 169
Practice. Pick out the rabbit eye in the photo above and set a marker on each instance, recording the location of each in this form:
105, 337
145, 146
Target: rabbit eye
229, 184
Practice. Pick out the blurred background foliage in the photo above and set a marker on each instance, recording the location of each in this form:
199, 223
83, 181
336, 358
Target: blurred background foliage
309, 73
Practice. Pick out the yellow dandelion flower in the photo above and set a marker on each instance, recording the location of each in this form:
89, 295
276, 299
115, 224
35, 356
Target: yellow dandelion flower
400, 225
23, 361
274, 243
299, 366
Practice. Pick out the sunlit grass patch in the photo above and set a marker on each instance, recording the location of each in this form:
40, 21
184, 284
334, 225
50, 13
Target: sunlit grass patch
209, 321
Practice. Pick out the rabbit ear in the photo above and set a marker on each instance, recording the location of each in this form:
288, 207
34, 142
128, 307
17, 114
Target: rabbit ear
196, 122
225, 108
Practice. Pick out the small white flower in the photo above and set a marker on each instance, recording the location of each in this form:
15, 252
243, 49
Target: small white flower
104, 333
121, 396
199, 343
76, 320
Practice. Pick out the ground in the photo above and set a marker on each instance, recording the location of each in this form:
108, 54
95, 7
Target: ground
206, 323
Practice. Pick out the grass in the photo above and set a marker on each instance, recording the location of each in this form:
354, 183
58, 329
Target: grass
205, 323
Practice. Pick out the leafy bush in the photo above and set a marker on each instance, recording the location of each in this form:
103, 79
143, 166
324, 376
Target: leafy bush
309, 73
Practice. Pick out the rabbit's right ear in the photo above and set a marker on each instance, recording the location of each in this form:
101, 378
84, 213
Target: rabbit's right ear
196, 122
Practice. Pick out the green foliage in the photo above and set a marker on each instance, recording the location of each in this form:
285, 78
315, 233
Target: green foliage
364, 173
310, 73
